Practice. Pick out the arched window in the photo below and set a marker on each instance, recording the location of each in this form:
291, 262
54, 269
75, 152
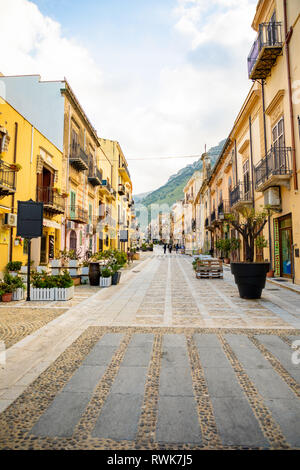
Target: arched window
73, 240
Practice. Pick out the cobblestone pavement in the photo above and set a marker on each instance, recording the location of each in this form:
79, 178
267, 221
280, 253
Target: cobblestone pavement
18, 319
149, 388
161, 361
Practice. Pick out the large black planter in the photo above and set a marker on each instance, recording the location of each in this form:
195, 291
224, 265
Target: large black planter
94, 274
250, 278
115, 278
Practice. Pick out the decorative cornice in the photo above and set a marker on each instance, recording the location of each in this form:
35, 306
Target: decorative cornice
275, 101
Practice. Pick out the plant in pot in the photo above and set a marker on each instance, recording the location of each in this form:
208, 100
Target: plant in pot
226, 246
6, 291
16, 284
105, 276
116, 274
249, 276
13, 267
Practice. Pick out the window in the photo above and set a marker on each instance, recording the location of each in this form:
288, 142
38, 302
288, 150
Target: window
90, 213
278, 134
246, 176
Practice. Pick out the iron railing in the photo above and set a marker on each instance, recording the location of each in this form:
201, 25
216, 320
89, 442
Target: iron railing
223, 208
78, 214
52, 200
269, 35
7, 178
78, 158
276, 162
242, 192
213, 216
94, 175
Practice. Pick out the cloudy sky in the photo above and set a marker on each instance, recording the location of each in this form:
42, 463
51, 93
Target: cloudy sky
163, 77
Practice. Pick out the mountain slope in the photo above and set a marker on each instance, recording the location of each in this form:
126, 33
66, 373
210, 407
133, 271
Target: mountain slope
173, 189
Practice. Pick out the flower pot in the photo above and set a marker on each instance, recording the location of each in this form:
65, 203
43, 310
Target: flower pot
7, 297
105, 281
115, 278
226, 260
250, 278
94, 274
270, 273
136, 256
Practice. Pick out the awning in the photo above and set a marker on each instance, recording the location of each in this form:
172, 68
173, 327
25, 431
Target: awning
50, 223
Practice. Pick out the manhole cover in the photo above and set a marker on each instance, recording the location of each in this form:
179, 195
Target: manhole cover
275, 288
136, 271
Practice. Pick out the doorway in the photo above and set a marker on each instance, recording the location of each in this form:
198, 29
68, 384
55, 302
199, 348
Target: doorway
73, 240
285, 246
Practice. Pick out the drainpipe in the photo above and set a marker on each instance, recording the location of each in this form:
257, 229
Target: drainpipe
251, 158
266, 154
288, 35
13, 196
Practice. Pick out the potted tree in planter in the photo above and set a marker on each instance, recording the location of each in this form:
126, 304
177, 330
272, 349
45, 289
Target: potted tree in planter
226, 246
249, 276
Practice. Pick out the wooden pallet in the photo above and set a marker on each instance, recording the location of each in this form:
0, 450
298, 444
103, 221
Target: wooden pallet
206, 269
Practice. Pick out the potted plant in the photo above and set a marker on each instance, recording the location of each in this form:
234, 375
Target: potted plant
250, 277
17, 286
13, 267
6, 292
16, 166
73, 261
85, 268
116, 274
226, 246
105, 276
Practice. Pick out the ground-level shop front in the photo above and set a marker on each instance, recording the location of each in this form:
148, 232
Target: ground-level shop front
283, 247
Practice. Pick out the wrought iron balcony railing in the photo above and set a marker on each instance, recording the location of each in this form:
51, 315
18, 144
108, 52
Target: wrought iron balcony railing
121, 189
213, 216
7, 179
276, 165
78, 158
223, 208
53, 201
241, 194
78, 214
265, 50
94, 175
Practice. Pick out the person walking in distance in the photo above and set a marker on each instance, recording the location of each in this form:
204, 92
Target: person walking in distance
170, 247
165, 248
177, 248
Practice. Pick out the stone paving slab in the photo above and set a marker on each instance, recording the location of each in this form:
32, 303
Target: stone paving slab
112, 402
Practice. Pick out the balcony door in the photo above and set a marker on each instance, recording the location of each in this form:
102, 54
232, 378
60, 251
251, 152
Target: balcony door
278, 139
285, 243
272, 31
246, 180
73, 204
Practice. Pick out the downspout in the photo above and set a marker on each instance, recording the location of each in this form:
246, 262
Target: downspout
266, 154
288, 35
251, 158
68, 172
13, 196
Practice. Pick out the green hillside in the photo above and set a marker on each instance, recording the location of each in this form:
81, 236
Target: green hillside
172, 191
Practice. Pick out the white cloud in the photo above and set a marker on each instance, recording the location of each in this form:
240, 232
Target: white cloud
176, 111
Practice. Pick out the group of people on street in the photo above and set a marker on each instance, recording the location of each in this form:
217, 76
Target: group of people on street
170, 247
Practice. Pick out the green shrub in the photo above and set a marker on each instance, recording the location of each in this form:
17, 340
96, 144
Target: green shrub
106, 272
14, 266
43, 280
14, 281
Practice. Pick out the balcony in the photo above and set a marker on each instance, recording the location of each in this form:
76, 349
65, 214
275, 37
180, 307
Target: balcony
123, 170
78, 158
7, 180
241, 196
77, 214
265, 50
223, 209
121, 190
105, 187
53, 202
274, 169
94, 175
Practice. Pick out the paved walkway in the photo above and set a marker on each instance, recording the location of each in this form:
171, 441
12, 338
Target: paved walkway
162, 360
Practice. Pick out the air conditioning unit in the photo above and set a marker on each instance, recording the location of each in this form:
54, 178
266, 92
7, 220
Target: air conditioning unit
272, 197
10, 219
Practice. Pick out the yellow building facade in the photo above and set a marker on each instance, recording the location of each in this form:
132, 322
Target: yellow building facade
39, 161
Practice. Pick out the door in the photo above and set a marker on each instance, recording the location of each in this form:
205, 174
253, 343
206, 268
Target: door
73, 205
73, 240
285, 243
43, 257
